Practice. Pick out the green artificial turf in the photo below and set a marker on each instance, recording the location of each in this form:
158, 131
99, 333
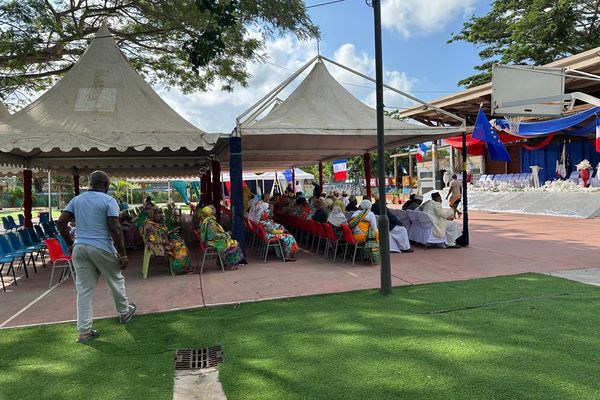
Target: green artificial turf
519, 337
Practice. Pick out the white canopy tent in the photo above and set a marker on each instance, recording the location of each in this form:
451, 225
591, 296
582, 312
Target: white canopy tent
103, 115
320, 120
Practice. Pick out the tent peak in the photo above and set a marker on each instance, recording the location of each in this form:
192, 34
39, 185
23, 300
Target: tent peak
103, 31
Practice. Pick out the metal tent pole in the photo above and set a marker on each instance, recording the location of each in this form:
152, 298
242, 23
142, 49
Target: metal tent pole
382, 221
49, 194
465, 216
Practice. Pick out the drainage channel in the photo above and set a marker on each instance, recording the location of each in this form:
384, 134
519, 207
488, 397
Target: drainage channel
196, 376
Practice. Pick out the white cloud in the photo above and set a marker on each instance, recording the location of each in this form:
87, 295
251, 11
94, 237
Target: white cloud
409, 17
215, 111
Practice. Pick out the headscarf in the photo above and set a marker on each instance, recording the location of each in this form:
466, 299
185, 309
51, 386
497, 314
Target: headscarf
252, 211
263, 212
319, 203
328, 203
365, 205
337, 216
207, 212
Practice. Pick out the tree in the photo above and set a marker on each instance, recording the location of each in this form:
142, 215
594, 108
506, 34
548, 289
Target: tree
121, 187
187, 44
530, 32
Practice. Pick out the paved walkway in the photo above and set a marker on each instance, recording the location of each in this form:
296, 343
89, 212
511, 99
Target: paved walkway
501, 244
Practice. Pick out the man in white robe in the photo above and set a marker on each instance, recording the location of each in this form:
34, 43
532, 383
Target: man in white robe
443, 224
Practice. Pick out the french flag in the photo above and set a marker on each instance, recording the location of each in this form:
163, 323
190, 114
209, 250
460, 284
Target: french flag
421, 152
339, 170
598, 134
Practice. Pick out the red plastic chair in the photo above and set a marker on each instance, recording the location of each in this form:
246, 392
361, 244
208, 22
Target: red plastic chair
207, 251
57, 256
348, 237
332, 240
266, 244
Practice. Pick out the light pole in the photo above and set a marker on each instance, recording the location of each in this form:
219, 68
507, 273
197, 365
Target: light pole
383, 223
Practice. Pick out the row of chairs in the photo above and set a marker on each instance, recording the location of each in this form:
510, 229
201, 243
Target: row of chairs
9, 223
518, 180
27, 245
310, 232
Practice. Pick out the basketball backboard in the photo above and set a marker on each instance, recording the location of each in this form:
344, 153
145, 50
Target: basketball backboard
514, 85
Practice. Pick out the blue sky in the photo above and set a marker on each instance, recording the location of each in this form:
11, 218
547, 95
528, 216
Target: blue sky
423, 56
416, 56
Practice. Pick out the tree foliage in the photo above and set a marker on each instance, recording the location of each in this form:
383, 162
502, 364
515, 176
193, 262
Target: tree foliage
188, 44
530, 32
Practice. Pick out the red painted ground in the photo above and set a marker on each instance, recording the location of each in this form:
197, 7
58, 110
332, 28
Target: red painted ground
501, 244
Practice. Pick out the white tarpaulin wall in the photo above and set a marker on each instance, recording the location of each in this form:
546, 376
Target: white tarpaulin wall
321, 120
102, 114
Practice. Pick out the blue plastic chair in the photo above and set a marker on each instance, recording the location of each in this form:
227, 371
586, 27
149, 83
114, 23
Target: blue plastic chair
53, 227
39, 247
63, 245
40, 232
21, 219
44, 217
20, 246
47, 230
8, 251
12, 222
35, 239
3, 261
6, 225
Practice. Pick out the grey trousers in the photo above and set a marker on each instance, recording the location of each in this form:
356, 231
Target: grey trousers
89, 263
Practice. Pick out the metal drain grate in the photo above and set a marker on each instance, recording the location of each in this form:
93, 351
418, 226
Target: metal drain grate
198, 358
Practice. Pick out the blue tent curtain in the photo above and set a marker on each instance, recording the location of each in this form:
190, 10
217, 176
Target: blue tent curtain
181, 188
546, 157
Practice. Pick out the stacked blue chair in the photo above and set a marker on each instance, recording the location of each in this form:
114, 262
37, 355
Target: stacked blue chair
21, 219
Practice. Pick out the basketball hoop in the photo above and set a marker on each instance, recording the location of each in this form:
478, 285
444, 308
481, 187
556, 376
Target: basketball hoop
513, 124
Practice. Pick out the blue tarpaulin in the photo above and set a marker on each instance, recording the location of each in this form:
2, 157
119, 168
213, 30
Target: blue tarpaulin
196, 188
181, 188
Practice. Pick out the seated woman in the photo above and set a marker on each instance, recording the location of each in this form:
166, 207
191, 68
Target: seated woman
352, 204
302, 208
130, 233
364, 226
213, 234
160, 241
337, 218
322, 211
278, 232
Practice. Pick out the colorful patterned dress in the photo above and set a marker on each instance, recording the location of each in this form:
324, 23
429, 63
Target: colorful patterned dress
364, 233
213, 234
160, 242
276, 231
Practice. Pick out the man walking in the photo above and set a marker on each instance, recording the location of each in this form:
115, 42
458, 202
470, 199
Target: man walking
94, 252
455, 194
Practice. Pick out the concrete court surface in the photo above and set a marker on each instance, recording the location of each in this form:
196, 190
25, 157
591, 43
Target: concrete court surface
501, 244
